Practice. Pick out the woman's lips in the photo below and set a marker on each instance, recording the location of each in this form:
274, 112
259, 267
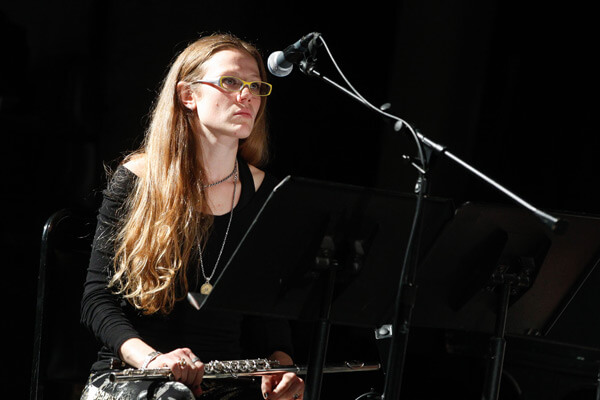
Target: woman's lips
244, 113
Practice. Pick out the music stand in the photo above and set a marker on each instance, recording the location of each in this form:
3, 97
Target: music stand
308, 229
457, 279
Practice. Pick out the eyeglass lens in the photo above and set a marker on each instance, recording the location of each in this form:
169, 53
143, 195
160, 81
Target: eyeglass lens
234, 84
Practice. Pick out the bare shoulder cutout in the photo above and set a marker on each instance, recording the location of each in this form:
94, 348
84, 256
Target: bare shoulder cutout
258, 176
137, 165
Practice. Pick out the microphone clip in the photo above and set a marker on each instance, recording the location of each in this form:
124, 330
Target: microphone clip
303, 52
307, 65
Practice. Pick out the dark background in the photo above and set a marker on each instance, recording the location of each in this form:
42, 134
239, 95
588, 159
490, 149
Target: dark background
508, 86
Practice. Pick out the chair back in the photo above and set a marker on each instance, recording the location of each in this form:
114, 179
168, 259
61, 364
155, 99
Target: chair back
63, 349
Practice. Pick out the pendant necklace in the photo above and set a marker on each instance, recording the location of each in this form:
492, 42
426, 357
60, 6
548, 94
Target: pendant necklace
207, 287
224, 179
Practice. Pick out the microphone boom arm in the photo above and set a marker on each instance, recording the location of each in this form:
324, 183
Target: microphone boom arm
555, 224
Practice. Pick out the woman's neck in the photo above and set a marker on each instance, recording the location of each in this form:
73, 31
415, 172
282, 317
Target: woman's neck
218, 158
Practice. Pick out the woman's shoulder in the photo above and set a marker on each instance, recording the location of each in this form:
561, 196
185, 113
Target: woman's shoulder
258, 176
264, 181
136, 164
122, 179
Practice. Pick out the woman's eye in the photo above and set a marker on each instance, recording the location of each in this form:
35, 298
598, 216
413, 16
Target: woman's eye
230, 82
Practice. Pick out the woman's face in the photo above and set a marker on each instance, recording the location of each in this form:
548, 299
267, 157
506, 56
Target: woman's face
224, 115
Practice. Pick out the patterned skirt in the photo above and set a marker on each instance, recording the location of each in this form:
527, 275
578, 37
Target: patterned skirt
99, 387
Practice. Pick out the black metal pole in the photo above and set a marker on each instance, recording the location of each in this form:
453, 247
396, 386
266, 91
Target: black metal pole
316, 362
491, 390
598, 386
405, 301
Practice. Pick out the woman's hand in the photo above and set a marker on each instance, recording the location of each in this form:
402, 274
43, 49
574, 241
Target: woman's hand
185, 366
285, 386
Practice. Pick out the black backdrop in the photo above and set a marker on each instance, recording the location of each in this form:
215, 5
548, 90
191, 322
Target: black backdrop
507, 86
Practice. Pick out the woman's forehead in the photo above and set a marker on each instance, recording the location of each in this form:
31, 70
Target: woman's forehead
231, 61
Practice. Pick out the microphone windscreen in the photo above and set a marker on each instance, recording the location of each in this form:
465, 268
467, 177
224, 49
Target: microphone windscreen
278, 66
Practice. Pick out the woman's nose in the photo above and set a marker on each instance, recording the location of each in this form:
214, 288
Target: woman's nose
245, 93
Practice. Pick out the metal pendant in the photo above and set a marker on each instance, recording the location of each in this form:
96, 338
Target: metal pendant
206, 288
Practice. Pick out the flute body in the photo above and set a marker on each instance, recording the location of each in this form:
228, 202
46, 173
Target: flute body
240, 368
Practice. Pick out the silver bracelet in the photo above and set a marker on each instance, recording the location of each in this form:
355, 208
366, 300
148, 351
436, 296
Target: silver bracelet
149, 358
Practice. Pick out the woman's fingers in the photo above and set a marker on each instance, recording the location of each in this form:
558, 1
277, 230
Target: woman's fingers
268, 382
287, 386
198, 367
291, 387
185, 366
192, 369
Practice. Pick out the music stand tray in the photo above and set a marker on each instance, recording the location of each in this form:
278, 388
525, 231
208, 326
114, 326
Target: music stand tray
368, 227
482, 237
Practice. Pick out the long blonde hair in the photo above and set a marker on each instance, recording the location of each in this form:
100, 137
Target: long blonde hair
162, 222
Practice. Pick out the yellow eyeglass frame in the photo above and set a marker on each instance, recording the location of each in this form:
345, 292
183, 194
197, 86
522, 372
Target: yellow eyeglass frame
219, 82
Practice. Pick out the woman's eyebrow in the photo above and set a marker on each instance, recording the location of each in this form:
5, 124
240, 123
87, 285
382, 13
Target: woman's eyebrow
237, 74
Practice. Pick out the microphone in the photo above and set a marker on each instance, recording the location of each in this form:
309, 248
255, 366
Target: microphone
281, 63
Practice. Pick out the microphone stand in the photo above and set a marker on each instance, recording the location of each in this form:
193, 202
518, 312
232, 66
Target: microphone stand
405, 297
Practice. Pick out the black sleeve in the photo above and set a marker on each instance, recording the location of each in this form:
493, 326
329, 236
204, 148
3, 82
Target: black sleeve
101, 310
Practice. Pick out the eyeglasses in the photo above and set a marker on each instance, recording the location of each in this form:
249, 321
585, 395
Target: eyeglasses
233, 84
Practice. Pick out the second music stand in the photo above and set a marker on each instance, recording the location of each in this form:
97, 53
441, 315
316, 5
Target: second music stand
492, 257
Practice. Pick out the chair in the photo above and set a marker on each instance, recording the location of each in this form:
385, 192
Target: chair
63, 350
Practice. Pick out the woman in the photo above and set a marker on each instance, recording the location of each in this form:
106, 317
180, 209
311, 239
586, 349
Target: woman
171, 214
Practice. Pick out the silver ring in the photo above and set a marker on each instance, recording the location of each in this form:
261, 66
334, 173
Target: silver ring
182, 362
296, 396
195, 360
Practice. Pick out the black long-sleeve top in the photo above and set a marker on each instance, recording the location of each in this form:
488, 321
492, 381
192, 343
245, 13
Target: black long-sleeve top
211, 334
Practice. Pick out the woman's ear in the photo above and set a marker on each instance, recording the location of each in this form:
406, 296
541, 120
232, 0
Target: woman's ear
186, 95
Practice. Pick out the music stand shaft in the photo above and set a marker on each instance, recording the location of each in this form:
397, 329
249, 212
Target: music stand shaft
491, 389
314, 375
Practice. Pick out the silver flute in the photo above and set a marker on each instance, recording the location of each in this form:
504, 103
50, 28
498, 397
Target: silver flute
240, 368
